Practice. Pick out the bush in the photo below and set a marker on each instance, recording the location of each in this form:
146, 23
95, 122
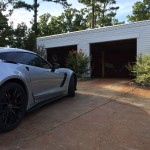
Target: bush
141, 70
78, 62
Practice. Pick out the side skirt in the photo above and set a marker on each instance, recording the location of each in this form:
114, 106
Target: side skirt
40, 104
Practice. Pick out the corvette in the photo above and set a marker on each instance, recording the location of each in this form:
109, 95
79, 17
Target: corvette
28, 81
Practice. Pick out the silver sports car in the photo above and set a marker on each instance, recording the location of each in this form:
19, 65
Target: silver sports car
28, 81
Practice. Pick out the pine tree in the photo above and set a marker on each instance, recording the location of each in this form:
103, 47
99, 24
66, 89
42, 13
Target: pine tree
102, 12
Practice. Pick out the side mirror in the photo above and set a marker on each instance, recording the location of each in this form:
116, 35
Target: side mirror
55, 66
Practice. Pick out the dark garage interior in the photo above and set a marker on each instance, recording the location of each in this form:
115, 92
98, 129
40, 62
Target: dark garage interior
58, 55
109, 59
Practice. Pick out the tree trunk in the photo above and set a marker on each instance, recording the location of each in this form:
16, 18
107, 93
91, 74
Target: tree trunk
35, 20
93, 15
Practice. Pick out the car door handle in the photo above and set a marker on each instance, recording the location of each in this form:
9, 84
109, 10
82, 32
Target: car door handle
27, 68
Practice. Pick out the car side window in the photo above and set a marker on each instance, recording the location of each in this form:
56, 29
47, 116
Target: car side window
36, 61
25, 58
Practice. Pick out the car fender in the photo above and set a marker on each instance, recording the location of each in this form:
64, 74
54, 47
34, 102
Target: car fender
14, 74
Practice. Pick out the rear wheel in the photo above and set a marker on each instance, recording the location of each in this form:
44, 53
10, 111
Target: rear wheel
71, 88
13, 104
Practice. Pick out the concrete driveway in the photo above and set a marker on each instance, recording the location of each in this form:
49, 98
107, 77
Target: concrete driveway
105, 115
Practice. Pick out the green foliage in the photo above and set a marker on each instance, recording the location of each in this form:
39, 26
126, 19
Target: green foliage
43, 28
34, 7
22, 4
101, 12
70, 20
141, 70
74, 20
29, 40
20, 37
4, 4
141, 11
5, 29
78, 62
62, 2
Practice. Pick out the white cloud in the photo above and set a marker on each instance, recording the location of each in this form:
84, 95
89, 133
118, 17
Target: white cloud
20, 16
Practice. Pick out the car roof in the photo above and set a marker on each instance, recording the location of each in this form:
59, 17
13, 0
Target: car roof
7, 49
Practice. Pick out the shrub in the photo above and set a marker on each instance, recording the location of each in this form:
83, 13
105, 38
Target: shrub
141, 70
78, 62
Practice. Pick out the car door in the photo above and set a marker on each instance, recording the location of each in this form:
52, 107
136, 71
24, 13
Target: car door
44, 80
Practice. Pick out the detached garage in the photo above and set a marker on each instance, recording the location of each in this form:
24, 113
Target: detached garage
111, 48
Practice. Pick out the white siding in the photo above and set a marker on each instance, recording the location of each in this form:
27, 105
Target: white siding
139, 30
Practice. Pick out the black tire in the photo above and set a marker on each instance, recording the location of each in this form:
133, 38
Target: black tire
71, 88
13, 104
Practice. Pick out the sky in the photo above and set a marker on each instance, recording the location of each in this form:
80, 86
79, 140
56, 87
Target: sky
21, 15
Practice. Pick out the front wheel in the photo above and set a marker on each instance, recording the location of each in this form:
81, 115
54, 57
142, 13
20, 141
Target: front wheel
13, 104
72, 87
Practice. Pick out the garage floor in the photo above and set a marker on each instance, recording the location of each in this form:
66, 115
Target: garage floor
105, 115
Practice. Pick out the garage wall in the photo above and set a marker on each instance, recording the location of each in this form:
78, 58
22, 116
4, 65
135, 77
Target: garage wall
143, 41
139, 30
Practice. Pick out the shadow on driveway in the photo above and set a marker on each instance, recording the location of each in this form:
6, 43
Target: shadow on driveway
100, 117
